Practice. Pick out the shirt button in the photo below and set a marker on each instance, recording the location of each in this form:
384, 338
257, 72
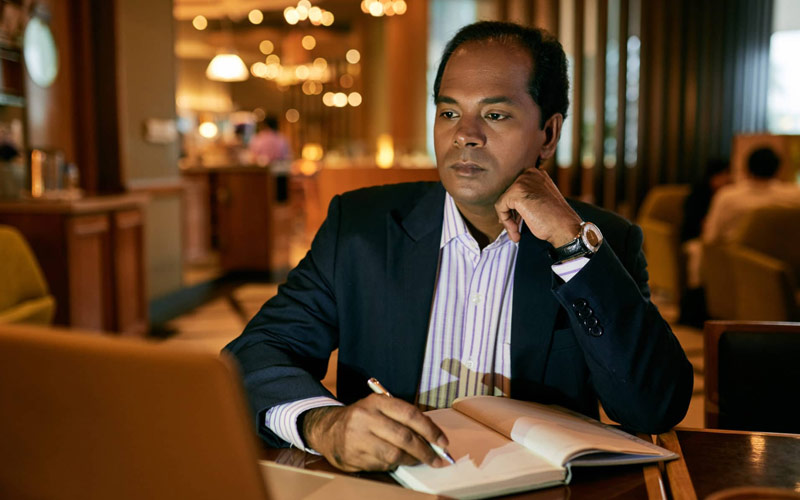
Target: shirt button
476, 298
469, 364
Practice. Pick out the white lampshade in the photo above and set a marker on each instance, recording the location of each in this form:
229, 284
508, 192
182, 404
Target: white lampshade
227, 67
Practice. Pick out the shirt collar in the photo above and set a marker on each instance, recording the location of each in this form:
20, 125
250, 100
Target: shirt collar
454, 225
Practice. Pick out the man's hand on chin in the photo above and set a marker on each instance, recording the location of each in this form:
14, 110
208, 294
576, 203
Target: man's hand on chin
535, 198
375, 433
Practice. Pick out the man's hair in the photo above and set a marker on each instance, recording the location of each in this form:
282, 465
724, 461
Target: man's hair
763, 163
548, 83
271, 122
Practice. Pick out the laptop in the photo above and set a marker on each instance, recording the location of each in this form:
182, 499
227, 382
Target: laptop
88, 416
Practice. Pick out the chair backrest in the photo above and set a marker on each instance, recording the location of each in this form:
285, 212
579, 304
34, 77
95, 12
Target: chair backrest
719, 282
660, 219
24, 297
774, 231
751, 375
665, 203
765, 287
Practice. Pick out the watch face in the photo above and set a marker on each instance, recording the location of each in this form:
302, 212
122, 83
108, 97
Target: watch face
41, 55
591, 236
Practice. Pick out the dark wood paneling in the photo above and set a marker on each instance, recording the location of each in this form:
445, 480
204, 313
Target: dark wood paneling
91, 306
244, 222
129, 273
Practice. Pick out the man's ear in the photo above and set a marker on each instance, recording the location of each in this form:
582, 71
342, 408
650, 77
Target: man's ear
552, 133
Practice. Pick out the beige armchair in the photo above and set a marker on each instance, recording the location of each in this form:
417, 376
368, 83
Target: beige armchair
660, 218
756, 277
24, 297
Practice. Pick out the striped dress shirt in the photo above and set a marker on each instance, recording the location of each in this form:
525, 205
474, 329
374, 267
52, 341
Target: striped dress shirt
468, 350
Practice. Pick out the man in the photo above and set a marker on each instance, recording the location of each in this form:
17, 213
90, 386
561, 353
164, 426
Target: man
443, 290
760, 189
269, 145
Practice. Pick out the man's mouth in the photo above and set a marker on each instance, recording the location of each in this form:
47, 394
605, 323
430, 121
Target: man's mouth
466, 168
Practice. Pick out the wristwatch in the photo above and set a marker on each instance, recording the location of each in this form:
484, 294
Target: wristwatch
586, 243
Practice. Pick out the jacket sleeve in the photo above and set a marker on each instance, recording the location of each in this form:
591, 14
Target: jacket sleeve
637, 367
284, 350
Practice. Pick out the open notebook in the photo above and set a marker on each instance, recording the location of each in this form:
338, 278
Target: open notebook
503, 446
87, 416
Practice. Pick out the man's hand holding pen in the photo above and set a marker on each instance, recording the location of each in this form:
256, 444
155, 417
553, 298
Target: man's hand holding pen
375, 433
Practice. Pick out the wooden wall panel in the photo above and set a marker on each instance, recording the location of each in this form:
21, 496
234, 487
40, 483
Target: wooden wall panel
129, 273
90, 279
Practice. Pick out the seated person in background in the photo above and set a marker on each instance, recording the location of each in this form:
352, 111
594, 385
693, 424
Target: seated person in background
489, 282
269, 145
761, 188
695, 208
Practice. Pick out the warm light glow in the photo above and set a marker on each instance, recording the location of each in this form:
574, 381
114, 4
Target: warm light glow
259, 114
353, 56
200, 23
227, 67
302, 72
208, 130
320, 64
385, 155
306, 4
309, 42
291, 15
379, 8
292, 115
315, 15
327, 18
302, 12
340, 99
354, 99
376, 8
255, 16
346, 81
312, 151
327, 99
273, 71
37, 173
259, 69
308, 167
273, 59
266, 47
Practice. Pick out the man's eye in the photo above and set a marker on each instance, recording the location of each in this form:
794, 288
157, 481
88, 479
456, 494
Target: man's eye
496, 117
447, 114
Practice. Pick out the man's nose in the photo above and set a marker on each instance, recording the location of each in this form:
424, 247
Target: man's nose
469, 134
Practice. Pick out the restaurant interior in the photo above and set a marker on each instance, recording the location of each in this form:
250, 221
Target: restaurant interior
133, 205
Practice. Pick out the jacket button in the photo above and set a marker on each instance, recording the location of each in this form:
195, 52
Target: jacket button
584, 313
580, 304
590, 322
596, 331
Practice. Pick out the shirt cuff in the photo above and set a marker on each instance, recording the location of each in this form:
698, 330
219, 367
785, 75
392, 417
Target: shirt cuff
567, 270
282, 419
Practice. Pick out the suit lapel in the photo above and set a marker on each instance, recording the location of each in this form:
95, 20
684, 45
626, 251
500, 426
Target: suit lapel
533, 315
412, 259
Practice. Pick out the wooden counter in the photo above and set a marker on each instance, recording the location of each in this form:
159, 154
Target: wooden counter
92, 253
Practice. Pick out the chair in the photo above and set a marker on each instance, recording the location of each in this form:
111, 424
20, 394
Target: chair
751, 374
24, 296
756, 276
660, 218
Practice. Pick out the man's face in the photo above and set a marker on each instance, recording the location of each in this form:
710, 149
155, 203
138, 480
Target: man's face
487, 128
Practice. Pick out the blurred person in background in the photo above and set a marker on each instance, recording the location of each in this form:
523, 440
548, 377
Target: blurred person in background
269, 145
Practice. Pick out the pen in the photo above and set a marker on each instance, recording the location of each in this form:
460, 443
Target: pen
377, 388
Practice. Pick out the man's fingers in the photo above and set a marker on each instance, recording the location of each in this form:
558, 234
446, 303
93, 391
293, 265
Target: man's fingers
403, 445
410, 416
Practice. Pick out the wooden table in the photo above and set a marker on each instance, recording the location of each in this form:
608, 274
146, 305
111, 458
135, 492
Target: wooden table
714, 460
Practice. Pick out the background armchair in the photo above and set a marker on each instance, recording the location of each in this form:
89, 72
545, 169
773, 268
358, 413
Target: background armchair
24, 296
756, 276
660, 218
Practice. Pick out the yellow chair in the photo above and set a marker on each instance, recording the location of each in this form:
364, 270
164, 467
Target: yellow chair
24, 296
660, 218
756, 276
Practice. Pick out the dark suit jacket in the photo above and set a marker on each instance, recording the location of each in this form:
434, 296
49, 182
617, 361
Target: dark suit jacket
366, 287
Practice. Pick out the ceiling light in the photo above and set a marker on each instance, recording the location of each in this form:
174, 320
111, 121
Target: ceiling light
227, 67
